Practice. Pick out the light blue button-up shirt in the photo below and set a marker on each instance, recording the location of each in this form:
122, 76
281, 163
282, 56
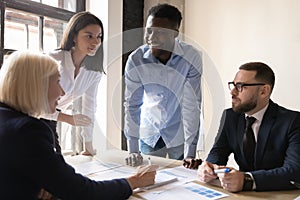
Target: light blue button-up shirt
163, 100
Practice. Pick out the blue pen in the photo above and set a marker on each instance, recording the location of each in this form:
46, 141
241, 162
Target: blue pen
225, 170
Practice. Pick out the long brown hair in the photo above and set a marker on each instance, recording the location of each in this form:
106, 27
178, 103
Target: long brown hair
76, 23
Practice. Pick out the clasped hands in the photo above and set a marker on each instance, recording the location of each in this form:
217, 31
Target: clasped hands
231, 181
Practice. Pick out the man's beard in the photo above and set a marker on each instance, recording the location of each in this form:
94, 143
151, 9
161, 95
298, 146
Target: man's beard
245, 107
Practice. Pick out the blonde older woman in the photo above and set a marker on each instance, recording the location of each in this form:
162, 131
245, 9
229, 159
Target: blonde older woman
29, 87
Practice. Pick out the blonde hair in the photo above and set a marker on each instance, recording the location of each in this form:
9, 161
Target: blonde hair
24, 80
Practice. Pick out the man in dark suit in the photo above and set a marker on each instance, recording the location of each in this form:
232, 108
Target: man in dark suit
275, 160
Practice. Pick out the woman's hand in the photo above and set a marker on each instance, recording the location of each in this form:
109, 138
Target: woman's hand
74, 120
145, 176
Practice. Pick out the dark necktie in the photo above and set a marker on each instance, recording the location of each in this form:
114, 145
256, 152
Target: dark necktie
249, 142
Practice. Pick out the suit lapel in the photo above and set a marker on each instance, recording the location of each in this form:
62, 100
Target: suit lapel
264, 131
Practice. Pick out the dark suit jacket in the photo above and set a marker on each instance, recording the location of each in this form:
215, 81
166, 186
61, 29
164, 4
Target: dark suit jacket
277, 154
29, 163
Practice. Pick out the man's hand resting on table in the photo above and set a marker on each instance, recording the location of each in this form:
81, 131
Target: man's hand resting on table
134, 159
192, 163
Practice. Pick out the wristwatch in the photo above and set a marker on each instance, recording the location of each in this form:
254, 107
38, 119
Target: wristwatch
248, 182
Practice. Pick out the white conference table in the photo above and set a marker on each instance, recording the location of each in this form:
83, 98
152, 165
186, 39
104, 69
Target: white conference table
118, 156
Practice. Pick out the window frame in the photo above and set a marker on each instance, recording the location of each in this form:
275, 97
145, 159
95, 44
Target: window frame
42, 10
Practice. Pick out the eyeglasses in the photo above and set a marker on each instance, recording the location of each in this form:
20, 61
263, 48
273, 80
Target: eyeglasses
239, 86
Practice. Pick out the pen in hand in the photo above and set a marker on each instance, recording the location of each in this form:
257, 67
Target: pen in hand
225, 170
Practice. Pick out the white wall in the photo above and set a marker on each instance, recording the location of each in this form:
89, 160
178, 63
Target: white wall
233, 32
108, 117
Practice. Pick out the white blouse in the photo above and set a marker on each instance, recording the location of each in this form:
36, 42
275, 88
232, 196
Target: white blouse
85, 85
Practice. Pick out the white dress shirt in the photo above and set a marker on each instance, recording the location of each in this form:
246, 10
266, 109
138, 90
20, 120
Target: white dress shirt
258, 116
255, 127
85, 85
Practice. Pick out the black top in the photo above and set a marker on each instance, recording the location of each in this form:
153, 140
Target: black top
29, 162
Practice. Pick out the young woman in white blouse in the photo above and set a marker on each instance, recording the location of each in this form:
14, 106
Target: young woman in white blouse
81, 41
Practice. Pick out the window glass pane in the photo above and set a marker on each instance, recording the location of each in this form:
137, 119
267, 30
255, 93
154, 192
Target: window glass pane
24, 27
53, 31
65, 4
21, 30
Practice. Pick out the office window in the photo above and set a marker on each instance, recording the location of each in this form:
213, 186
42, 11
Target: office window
53, 31
65, 4
34, 24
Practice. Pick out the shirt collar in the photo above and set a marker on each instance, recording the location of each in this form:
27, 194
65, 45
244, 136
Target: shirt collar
177, 48
260, 114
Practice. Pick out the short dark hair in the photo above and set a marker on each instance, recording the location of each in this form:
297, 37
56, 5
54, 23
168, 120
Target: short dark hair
263, 72
166, 11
